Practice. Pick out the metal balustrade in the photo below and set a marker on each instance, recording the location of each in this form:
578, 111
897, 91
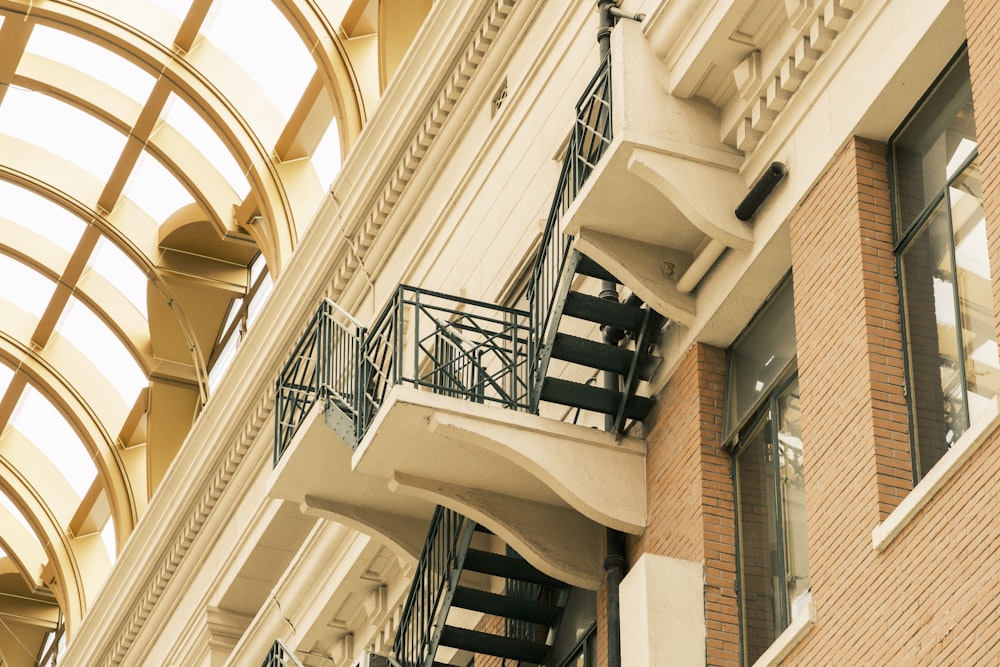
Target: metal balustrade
447, 345
590, 139
420, 624
280, 656
322, 367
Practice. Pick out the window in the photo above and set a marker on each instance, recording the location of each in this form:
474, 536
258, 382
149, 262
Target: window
951, 351
762, 413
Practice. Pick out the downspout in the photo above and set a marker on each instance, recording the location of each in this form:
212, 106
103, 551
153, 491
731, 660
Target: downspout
614, 562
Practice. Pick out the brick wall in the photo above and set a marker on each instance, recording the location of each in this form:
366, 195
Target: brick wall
984, 69
690, 495
929, 598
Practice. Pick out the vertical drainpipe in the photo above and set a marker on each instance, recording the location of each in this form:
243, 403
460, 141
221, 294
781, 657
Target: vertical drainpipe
614, 562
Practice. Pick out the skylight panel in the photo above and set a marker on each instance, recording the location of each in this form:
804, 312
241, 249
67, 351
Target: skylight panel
44, 425
155, 189
178, 8
282, 69
9, 505
5, 377
62, 129
24, 287
185, 120
326, 157
108, 538
95, 60
40, 215
95, 340
118, 269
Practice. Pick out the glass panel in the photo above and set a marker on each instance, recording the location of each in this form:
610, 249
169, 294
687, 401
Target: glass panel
62, 129
41, 215
108, 538
933, 145
6, 374
178, 8
982, 368
155, 189
24, 287
283, 68
793, 499
95, 60
116, 267
760, 570
9, 505
936, 381
259, 299
193, 127
759, 357
95, 339
326, 157
45, 426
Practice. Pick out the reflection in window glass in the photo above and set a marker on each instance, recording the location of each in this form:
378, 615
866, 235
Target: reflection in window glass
773, 548
24, 287
63, 130
193, 127
283, 69
116, 267
96, 341
953, 371
88, 57
44, 425
41, 215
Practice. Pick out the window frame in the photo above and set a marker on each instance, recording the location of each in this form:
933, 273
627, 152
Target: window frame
903, 240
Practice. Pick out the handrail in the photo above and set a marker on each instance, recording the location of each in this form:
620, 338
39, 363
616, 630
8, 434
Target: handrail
448, 345
426, 604
323, 366
591, 136
280, 656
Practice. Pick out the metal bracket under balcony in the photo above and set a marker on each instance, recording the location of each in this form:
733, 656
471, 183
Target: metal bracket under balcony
656, 209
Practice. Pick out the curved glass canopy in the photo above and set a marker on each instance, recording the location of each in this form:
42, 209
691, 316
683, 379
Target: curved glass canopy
146, 200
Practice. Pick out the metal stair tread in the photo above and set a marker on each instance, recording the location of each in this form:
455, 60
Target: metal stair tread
595, 399
505, 606
603, 311
588, 267
595, 354
495, 645
508, 567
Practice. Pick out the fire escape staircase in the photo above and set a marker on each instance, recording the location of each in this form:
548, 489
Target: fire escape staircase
453, 574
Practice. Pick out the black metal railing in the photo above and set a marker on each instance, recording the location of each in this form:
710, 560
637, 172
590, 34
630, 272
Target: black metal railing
280, 656
590, 139
324, 366
448, 345
436, 575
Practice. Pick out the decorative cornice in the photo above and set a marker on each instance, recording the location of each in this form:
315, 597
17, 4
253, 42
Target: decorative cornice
426, 131
394, 183
764, 94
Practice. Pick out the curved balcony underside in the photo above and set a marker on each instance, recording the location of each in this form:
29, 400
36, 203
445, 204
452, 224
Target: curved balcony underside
547, 488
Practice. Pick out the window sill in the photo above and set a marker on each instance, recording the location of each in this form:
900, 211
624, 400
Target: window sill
788, 639
983, 425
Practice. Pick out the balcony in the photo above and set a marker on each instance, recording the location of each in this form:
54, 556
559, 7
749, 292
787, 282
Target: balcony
434, 405
680, 181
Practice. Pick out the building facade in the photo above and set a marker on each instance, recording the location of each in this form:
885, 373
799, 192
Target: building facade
640, 333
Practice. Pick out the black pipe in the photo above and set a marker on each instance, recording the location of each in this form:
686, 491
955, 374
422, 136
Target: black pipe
760, 191
614, 562
614, 567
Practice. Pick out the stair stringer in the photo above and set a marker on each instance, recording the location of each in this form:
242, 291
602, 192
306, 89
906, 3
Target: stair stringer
544, 354
556, 541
